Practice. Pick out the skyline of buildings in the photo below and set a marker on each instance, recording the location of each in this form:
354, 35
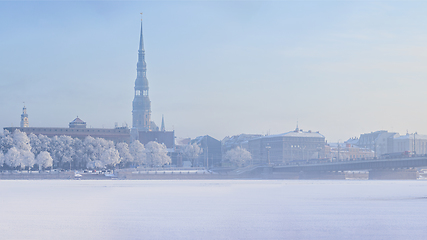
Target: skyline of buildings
276, 148
289, 147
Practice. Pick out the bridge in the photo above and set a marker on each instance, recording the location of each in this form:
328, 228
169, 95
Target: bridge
373, 164
396, 168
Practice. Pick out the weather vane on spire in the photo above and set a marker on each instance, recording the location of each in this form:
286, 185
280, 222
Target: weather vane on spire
141, 16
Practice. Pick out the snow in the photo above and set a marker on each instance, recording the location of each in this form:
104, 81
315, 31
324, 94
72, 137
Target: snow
213, 209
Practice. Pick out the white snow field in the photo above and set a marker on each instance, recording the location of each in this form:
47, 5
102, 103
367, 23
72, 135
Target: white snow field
212, 209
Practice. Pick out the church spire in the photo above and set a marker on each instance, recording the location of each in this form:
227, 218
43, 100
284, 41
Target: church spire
141, 113
163, 129
141, 40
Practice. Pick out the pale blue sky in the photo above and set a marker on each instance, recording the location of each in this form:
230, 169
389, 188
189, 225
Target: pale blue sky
219, 67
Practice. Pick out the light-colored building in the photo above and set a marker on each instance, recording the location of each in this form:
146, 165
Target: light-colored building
286, 147
77, 129
414, 143
381, 142
347, 151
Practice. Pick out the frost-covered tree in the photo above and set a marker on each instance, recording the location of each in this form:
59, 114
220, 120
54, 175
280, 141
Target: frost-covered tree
124, 153
137, 150
110, 157
44, 160
90, 144
27, 159
35, 143
62, 150
22, 143
68, 150
6, 141
192, 152
79, 153
238, 156
156, 154
95, 155
1, 159
45, 142
13, 157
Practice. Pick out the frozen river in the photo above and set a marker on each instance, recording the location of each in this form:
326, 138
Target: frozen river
213, 209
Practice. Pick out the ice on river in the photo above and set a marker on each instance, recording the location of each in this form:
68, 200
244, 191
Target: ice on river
213, 209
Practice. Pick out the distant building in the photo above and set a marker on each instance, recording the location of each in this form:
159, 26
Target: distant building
165, 137
211, 155
416, 143
77, 123
24, 118
286, 147
346, 151
77, 129
178, 158
241, 140
381, 142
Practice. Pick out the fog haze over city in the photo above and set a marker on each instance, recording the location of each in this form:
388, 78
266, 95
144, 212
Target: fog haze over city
218, 68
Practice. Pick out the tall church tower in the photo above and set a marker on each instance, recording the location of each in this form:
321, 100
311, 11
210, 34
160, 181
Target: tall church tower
141, 105
24, 118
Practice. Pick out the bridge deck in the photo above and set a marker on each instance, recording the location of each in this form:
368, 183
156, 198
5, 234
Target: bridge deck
409, 162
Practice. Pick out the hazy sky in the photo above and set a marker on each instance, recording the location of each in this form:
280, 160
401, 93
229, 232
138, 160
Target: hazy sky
219, 67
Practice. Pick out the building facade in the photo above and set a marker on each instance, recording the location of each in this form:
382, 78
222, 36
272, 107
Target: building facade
286, 147
211, 155
381, 142
414, 143
346, 151
77, 129
241, 140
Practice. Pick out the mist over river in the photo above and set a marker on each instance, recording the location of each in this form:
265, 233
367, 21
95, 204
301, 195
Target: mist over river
212, 209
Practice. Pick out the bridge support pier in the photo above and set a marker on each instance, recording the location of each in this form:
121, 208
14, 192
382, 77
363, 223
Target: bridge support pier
393, 174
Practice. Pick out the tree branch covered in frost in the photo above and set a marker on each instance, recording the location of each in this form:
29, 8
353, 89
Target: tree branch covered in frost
156, 154
238, 156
